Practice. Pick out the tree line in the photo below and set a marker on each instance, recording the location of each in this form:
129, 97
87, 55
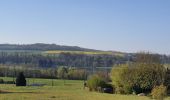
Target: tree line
47, 73
62, 59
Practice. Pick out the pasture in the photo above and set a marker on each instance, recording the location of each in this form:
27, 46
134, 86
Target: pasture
62, 90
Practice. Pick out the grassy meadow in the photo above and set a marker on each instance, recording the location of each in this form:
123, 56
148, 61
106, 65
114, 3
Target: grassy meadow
62, 90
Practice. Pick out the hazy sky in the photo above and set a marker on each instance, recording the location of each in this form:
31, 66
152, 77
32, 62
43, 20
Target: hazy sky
121, 25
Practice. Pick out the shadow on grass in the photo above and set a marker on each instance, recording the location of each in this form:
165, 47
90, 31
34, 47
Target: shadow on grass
7, 92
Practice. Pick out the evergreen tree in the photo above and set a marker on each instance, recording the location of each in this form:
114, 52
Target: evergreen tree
20, 80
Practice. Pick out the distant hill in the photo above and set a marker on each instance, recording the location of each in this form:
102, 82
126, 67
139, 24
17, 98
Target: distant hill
42, 47
52, 55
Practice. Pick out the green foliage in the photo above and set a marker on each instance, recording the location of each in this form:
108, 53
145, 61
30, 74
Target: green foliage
167, 81
121, 79
159, 92
1, 81
20, 80
62, 72
76, 74
94, 82
70, 73
140, 76
149, 75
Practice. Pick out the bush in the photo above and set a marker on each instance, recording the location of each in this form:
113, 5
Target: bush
137, 77
159, 92
9, 82
94, 82
1, 81
122, 79
21, 81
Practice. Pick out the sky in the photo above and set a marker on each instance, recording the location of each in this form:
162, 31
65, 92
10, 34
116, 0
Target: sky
118, 25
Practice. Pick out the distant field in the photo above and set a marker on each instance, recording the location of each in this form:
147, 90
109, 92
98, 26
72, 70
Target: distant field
85, 52
78, 52
71, 90
62, 51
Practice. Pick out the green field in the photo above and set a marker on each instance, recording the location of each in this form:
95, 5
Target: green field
78, 52
65, 51
86, 52
71, 90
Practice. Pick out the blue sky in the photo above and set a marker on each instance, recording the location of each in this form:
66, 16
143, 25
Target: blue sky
121, 25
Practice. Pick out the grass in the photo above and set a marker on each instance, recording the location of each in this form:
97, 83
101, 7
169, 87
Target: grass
71, 90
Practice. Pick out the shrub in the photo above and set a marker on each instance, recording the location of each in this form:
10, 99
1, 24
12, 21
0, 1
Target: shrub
159, 92
9, 82
122, 79
137, 77
20, 80
94, 82
1, 81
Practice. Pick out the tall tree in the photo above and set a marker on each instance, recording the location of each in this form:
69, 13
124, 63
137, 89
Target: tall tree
20, 80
